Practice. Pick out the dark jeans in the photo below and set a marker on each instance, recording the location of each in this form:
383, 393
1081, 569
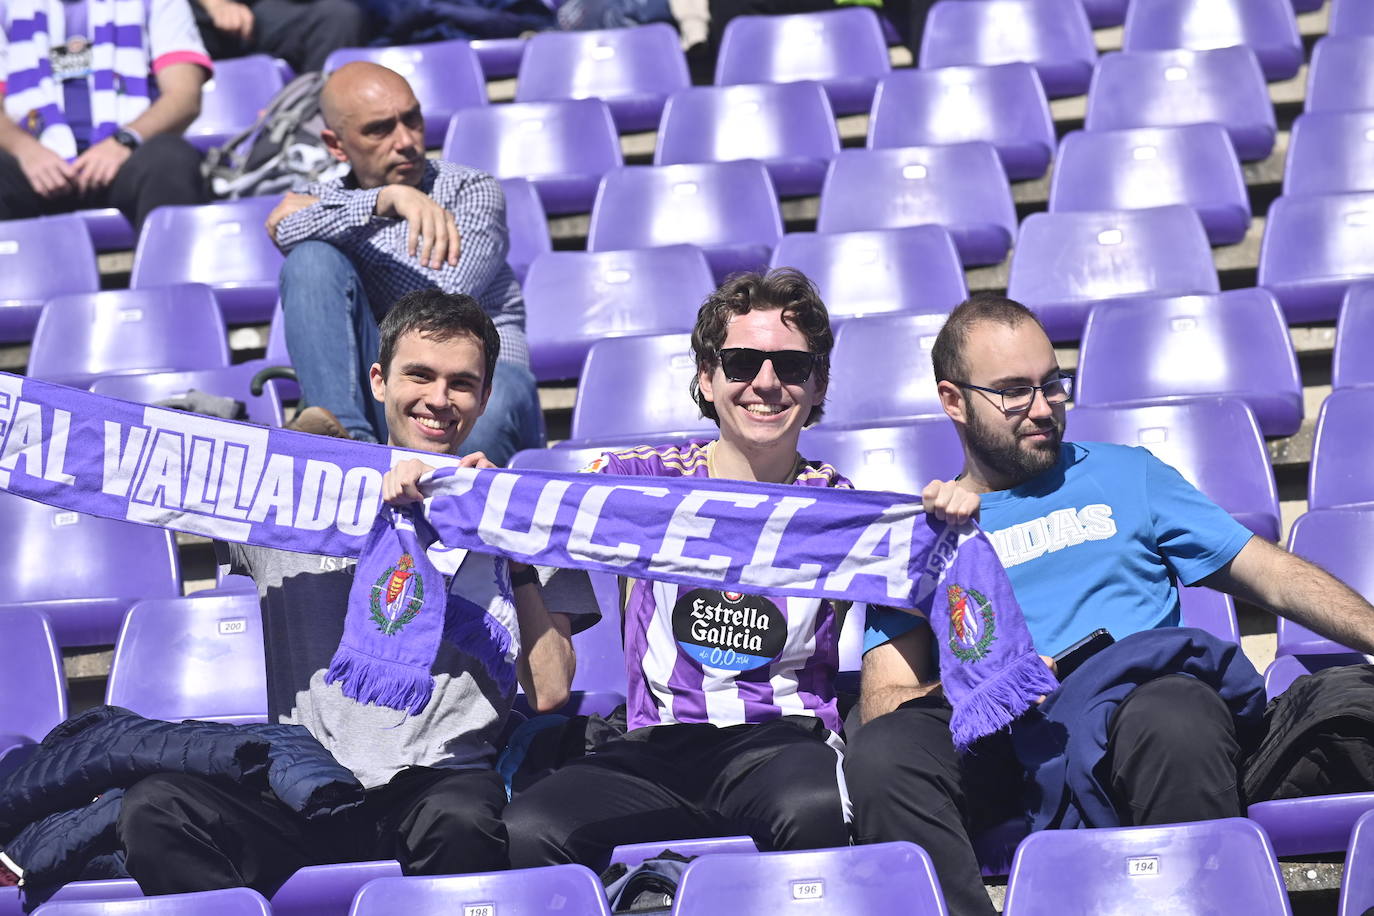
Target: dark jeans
778, 781
303, 32
1172, 756
164, 170
184, 833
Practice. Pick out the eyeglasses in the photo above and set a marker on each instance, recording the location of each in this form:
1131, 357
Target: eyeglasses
1018, 398
742, 364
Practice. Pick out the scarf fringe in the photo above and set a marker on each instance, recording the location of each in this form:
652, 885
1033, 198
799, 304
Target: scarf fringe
997, 701
486, 639
369, 679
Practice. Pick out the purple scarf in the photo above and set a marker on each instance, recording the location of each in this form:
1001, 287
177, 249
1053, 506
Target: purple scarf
287, 490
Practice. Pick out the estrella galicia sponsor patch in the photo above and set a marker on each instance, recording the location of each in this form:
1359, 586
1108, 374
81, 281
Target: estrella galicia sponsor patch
972, 623
397, 596
729, 630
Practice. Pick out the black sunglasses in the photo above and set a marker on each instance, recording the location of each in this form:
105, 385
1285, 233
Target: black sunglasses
742, 364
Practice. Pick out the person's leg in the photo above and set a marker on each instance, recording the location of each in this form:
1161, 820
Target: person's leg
1172, 754
184, 833
163, 171
332, 336
306, 33
18, 199
512, 420
908, 783
441, 822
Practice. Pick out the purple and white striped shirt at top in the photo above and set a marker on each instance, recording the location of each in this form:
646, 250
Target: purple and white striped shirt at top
696, 655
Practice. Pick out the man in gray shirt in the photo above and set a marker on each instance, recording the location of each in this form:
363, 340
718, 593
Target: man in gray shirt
433, 800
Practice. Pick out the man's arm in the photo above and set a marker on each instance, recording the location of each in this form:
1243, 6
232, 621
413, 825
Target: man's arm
1271, 577
547, 661
894, 672
48, 173
231, 17
478, 208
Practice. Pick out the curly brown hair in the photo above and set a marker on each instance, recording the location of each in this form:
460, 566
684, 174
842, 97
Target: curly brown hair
780, 288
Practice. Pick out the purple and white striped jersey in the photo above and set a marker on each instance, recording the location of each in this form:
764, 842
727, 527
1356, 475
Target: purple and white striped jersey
697, 655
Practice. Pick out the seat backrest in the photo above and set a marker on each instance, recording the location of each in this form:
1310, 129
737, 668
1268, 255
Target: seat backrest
33, 688
1338, 541
569, 460
901, 458
1350, 364
1350, 17
526, 225
535, 139
716, 203
1341, 75
1319, 236
877, 878
1269, 27
82, 336
637, 386
220, 243
192, 658
761, 121
1330, 152
912, 268
1341, 446
557, 890
1210, 610
229, 382
575, 298
46, 257
608, 64
234, 901
1209, 866
880, 370
1001, 104
444, 75
232, 99
1357, 880
1214, 443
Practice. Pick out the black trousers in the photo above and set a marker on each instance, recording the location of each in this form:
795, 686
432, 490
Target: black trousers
303, 32
185, 833
778, 782
163, 170
1172, 756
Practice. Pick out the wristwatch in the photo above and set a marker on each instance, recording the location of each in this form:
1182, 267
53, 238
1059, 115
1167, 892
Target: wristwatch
127, 139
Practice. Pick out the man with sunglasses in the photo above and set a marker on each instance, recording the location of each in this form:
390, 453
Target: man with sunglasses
731, 713
1092, 536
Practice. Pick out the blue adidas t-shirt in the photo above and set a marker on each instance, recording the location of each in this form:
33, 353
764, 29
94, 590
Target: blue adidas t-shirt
1099, 540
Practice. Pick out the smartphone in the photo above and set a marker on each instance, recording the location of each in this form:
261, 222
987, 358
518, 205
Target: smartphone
1068, 661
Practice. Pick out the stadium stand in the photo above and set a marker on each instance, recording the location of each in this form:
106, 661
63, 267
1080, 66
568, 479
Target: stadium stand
873, 375
636, 386
33, 692
1351, 17
1340, 76
536, 891
499, 57
1104, 14
232, 100
39, 259
1354, 338
110, 230
1314, 247
1267, 27
1341, 446
1330, 152
1336, 539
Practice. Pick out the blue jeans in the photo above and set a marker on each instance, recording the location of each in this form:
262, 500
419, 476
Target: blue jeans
332, 336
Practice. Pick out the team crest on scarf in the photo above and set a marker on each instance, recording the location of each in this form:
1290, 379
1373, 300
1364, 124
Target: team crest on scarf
397, 596
972, 623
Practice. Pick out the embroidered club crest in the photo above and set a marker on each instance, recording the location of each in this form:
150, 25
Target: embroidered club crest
34, 122
972, 623
397, 596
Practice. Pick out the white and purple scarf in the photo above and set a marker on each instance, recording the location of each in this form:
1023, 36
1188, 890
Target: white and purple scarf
287, 490
119, 71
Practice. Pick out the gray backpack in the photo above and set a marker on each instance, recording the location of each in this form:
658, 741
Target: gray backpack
282, 150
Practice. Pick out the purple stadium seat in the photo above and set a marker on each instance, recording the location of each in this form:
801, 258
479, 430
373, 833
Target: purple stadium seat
445, 76
1357, 882
599, 685
231, 382
33, 688
563, 148
83, 336
880, 370
108, 889
110, 230
527, 225
500, 57
789, 127
1234, 344
1267, 27
961, 187
1194, 165
1067, 262
223, 245
901, 458
843, 49
41, 258
230, 584
232, 100
1215, 443
1338, 541
880, 878
1351, 17
575, 298
566, 458
1004, 105
1052, 35
192, 658
235, 901
1170, 88
1340, 473
328, 890
633, 70
1204, 867
1210, 610
728, 209
1285, 669
1354, 338
1104, 14
1306, 826
1314, 248
915, 268
557, 890
82, 571
632, 854
1341, 75
637, 387
1330, 152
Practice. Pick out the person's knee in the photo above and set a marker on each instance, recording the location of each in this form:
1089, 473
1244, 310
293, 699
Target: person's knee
154, 804
892, 743
314, 266
1174, 717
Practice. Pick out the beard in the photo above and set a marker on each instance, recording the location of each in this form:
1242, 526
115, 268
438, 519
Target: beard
1011, 457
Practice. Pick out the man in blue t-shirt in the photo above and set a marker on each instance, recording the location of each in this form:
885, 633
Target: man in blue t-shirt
1092, 536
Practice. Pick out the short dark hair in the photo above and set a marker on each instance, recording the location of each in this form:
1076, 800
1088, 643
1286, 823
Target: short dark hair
439, 316
780, 288
947, 355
